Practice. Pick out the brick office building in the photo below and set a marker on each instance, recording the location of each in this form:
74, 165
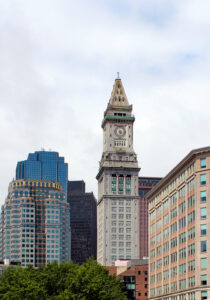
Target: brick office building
179, 209
134, 275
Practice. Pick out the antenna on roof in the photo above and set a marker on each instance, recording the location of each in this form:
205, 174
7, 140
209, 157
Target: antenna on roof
118, 75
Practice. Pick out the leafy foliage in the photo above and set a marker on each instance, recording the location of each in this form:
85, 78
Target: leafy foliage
65, 281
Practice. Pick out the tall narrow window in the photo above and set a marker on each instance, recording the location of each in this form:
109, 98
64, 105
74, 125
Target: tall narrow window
203, 196
203, 179
121, 184
204, 279
204, 295
128, 185
203, 229
203, 162
203, 246
204, 263
114, 180
203, 212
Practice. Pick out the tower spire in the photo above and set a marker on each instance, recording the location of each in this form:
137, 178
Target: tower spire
118, 95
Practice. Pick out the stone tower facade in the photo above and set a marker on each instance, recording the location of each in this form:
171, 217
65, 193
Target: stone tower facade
118, 199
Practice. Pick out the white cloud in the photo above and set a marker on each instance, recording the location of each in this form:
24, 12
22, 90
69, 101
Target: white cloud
58, 60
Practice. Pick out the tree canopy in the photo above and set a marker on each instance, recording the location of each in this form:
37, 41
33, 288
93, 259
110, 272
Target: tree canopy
65, 281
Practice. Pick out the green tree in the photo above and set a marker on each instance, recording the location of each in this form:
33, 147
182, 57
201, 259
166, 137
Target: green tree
18, 283
65, 281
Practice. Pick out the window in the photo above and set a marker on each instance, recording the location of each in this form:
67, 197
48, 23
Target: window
174, 242
165, 205
191, 249
159, 237
191, 217
159, 250
204, 279
203, 212
191, 265
191, 281
165, 219
159, 210
203, 246
203, 295
166, 247
182, 253
182, 269
203, 179
191, 185
191, 233
191, 296
182, 222
203, 196
182, 207
191, 201
174, 257
119, 143
203, 163
182, 238
159, 224
182, 284
174, 228
173, 213
204, 263
166, 275
165, 233
165, 260
203, 229
173, 199
182, 192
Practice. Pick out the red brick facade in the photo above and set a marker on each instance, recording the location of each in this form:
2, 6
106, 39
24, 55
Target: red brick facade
140, 272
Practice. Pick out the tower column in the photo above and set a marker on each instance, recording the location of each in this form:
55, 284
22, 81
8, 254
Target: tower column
121, 226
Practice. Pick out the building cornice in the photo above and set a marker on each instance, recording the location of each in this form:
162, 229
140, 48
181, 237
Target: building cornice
122, 168
189, 157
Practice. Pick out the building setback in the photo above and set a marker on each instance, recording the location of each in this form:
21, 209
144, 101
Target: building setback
35, 223
83, 222
145, 185
118, 199
179, 222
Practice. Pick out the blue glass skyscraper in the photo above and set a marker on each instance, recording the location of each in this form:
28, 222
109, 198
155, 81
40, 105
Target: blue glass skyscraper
44, 165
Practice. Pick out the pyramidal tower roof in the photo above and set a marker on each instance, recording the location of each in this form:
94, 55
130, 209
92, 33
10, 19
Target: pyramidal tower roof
118, 96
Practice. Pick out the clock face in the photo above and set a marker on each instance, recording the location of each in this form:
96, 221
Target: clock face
120, 131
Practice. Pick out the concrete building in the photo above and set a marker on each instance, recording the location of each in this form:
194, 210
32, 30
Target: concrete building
179, 237
134, 275
118, 199
83, 222
35, 223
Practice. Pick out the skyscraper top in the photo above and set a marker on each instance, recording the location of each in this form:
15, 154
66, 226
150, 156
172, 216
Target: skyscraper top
44, 165
118, 96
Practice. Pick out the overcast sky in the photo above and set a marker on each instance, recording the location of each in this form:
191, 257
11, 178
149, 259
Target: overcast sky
58, 62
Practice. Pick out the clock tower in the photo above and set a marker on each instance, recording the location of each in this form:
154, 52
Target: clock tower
118, 198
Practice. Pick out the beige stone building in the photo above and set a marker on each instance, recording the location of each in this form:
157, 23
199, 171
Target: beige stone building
179, 231
118, 199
